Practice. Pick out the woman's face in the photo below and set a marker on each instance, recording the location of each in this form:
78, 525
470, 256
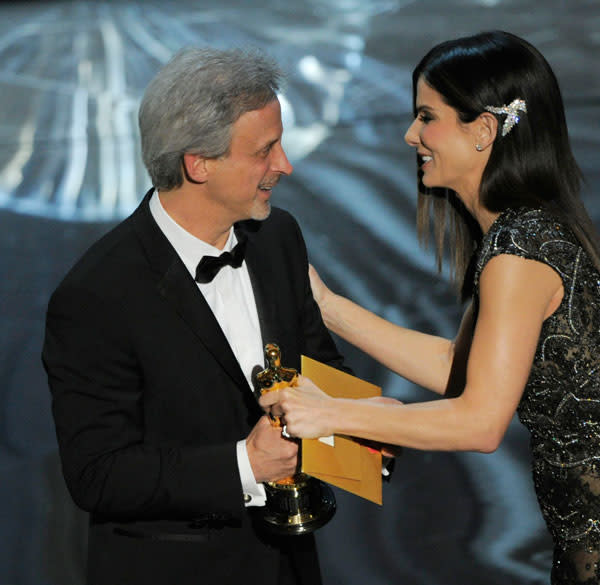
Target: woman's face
446, 146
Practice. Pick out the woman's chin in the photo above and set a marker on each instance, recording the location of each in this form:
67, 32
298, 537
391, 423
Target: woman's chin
429, 182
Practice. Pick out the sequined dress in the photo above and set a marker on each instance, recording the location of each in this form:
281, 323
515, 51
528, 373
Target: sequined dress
561, 402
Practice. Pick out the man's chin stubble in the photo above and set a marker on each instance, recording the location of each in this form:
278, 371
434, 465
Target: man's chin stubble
263, 213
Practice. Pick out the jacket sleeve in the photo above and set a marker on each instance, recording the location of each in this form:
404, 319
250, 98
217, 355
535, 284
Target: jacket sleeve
317, 341
111, 467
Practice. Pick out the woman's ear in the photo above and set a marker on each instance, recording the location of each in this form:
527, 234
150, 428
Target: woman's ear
486, 130
194, 168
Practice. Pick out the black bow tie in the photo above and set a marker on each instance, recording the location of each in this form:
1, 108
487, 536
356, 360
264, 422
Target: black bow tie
209, 266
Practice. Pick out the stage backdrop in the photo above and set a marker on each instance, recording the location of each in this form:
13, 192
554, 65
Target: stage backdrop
71, 77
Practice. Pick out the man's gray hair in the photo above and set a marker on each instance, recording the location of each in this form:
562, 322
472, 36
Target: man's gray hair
192, 103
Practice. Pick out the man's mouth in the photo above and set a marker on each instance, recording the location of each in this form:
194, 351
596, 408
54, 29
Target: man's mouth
267, 187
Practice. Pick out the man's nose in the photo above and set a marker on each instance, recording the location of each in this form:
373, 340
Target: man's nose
281, 163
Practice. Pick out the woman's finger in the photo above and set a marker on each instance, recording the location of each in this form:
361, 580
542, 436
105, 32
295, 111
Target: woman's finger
268, 399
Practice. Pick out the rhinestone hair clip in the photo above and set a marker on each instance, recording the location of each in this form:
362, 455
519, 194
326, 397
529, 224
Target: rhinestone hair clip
512, 113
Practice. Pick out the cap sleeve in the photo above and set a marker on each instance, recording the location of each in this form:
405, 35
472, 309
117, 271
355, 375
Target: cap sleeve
532, 234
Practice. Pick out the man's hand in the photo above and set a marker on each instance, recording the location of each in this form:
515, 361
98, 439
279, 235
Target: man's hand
272, 457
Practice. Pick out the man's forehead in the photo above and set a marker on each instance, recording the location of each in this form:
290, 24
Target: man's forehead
261, 125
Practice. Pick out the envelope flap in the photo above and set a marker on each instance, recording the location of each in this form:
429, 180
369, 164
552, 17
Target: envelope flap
335, 382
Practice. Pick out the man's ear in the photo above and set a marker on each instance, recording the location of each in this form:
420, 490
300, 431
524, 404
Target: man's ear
486, 130
194, 168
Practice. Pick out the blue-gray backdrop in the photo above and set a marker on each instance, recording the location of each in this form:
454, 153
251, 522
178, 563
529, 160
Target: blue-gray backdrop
71, 76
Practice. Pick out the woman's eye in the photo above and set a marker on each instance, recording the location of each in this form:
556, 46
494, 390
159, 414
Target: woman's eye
423, 117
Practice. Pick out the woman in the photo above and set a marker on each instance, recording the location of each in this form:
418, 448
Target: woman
494, 156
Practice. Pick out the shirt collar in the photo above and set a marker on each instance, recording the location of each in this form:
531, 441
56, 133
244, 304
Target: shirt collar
189, 248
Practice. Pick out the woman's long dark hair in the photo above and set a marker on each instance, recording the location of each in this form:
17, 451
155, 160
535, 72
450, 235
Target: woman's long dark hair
531, 166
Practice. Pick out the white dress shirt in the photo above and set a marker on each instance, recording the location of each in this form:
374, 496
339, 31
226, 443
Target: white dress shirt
231, 299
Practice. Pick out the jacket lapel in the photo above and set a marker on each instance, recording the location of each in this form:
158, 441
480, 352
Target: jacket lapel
177, 286
263, 284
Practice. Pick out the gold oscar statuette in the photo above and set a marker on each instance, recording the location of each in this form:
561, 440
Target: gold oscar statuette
298, 504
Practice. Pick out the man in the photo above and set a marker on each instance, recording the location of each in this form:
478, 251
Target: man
150, 352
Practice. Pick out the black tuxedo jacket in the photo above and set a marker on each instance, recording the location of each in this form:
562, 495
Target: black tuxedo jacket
149, 401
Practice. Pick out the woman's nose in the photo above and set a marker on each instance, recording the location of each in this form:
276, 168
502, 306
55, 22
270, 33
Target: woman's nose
412, 136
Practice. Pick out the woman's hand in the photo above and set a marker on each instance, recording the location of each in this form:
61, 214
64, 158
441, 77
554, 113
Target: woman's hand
319, 290
305, 410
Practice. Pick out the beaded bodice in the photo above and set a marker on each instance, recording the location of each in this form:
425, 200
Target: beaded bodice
561, 402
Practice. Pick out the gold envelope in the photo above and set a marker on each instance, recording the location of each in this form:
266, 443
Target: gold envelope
347, 464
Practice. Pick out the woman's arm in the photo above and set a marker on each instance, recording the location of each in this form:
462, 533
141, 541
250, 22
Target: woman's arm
423, 359
516, 295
